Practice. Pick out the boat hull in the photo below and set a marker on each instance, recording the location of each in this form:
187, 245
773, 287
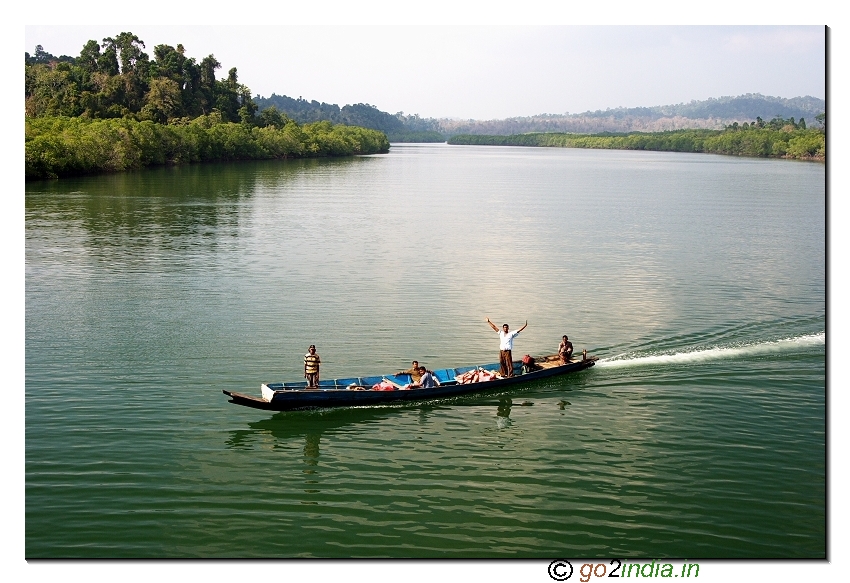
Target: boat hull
291, 399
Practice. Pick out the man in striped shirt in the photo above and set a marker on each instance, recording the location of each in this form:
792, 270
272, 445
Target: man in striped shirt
311, 367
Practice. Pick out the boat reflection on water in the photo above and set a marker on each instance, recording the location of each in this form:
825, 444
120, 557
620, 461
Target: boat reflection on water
283, 427
503, 411
286, 426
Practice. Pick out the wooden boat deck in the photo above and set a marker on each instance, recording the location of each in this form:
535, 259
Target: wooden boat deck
553, 360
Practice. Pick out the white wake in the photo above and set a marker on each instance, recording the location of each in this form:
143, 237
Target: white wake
776, 346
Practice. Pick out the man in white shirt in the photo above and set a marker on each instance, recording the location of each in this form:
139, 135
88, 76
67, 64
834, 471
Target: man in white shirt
506, 344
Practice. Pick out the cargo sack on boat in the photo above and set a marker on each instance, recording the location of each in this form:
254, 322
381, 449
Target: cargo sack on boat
384, 385
476, 376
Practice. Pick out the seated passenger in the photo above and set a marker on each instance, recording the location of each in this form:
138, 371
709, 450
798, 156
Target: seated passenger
426, 380
565, 350
412, 371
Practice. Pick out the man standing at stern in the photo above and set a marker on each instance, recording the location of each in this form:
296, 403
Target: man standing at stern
311, 367
506, 344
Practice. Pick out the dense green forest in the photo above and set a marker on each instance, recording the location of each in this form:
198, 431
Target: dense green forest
778, 138
114, 108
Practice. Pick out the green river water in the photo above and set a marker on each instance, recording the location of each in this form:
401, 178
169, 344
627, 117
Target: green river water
698, 280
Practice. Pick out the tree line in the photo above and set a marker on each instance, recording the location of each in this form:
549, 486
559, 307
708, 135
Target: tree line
708, 114
779, 123
763, 141
123, 109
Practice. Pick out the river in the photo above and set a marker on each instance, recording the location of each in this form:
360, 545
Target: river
698, 280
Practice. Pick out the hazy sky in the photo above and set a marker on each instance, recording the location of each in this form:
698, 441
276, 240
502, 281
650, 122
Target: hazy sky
487, 72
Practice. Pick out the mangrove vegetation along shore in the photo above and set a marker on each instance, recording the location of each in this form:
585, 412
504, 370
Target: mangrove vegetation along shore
114, 108
67, 146
789, 139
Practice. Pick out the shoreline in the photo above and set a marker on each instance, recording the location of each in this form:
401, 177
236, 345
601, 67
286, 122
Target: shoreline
802, 144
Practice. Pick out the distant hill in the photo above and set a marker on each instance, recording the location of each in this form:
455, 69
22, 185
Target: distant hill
742, 108
715, 113
708, 114
304, 111
359, 114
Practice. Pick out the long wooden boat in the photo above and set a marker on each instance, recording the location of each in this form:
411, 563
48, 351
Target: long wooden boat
358, 391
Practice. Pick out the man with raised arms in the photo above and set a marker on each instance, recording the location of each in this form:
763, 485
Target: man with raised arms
506, 344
